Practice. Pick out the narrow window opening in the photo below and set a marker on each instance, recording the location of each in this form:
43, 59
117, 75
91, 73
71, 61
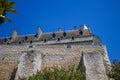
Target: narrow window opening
45, 40
26, 38
53, 35
31, 42
64, 34
5, 40
68, 46
35, 35
19, 42
72, 38
58, 39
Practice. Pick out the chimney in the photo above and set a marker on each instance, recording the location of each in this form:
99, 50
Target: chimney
59, 29
15, 34
39, 33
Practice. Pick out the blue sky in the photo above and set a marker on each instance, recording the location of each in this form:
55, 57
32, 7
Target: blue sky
102, 16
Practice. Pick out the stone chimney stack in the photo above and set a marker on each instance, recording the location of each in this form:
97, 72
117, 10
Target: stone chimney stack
85, 30
15, 34
39, 33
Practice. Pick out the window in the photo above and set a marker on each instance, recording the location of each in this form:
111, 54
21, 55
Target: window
58, 39
68, 46
81, 33
19, 42
72, 38
64, 34
35, 35
45, 40
31, 42
5, 40
53, 35
26, 37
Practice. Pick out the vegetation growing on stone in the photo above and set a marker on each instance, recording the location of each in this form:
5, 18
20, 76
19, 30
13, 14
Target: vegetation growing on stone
58, 74
6, 6
115, 71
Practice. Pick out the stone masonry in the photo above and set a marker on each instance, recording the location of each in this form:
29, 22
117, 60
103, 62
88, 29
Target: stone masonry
54, 49
53, 56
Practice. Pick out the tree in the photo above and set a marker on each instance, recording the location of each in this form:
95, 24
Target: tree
6, 6
115, 71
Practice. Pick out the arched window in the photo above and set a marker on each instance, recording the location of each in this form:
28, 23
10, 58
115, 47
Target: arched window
64, 34
81, 32
53, 35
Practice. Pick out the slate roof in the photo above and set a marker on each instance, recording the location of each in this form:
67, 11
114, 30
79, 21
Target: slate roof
47, 36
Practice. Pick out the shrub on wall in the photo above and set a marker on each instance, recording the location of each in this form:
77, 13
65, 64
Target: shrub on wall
115, 71
58, 74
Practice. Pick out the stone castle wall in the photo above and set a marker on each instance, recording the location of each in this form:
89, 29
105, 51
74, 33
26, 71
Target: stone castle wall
52, 56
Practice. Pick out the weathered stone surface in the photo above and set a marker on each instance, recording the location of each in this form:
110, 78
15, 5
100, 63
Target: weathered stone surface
52, 56
29, 64
94, 67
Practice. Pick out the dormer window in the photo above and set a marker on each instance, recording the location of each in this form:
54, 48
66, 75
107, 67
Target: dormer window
53, 35
5, 40
58, 39
45, 40
26, 38
72, 38
64, 34
81, 32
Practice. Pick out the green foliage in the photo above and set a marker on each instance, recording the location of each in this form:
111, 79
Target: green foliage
115, 71
58, 74
32, 51
6, 6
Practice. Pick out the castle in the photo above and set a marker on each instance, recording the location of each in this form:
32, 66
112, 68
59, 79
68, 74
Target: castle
54, 49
